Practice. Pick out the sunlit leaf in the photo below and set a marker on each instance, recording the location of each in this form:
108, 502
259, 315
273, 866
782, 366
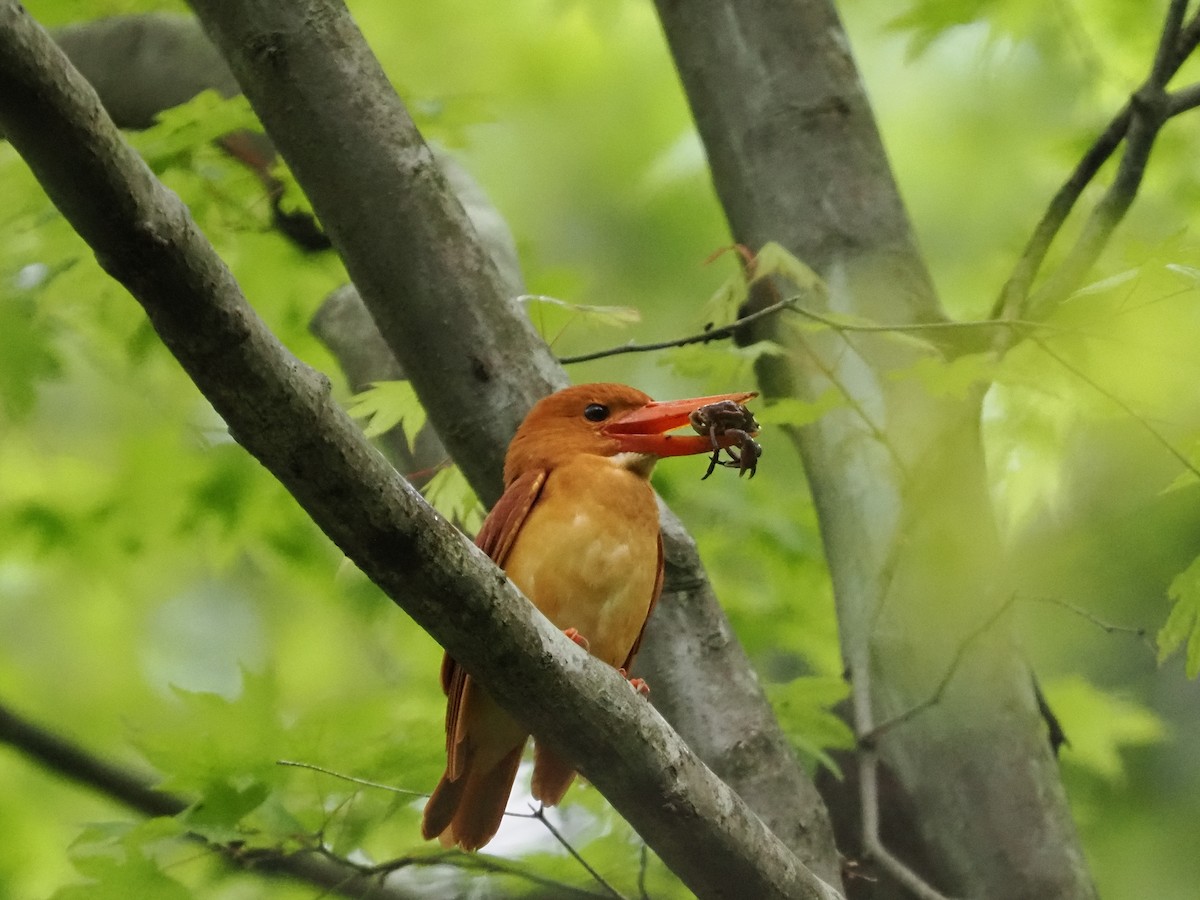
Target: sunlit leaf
553, 316
451, 494
1183, 623
804, 708
385, 405
773, 259
121, 860
1098, 725
201, 120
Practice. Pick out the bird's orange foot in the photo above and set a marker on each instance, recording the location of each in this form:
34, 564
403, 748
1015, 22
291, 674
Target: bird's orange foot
578, 638
638, 684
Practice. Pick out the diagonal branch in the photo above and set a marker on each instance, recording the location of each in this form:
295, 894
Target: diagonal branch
281, 411
1137, 124
475, 361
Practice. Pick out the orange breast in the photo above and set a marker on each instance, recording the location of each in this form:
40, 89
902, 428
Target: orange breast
587, 556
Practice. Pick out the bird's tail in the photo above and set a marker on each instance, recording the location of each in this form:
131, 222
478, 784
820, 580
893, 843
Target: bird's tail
468, 810
552, 775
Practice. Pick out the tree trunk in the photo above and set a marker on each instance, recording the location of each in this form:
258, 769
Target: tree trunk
898, 476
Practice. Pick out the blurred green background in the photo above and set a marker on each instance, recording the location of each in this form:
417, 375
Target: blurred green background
164, 602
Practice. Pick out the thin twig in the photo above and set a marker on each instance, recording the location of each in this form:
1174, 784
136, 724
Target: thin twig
1140, 633
470, 862
1131, 124
539, 813
712, 334
72, 761
351, 778
868, 777
793, 304
933, 699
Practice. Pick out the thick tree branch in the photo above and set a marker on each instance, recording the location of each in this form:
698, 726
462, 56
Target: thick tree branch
473, 358
905, 514
282, 412
733, 729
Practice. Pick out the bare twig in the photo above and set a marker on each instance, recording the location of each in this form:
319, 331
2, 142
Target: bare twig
539, 813
933, 699
1140, 633
351, 778
868, 775
793, 304
643, 868
712, 334
868, 756
1137, 124
468, 862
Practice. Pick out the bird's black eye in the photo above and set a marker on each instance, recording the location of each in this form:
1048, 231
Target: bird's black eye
596, 412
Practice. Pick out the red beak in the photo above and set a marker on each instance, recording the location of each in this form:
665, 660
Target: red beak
643, 430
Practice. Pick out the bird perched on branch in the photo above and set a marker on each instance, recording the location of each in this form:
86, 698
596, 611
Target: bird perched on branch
577, 531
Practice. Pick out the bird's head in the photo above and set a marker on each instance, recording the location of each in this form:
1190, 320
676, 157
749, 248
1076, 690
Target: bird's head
608, 420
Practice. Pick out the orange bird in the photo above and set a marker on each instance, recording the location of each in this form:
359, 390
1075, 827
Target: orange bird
577, 531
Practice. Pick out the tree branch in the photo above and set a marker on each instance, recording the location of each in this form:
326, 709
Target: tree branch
796, 158
281, 411
1137, 124
476, 363
70, 761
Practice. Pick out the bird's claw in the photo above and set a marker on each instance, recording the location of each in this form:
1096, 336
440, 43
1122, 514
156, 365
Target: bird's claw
574, 635
638, 684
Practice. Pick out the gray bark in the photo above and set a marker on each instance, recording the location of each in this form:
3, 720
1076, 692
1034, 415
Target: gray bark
281, 411
898, 476
473, 358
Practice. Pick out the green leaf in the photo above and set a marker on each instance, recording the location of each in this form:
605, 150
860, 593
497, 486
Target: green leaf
552, 316
27, 356
1183, 624
385, 405
122, 860
198, 755
773, 259
1098, 725
181, 130
451, 494
804, 709
225, 803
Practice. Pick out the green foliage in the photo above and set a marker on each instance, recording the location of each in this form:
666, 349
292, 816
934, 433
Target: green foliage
953, 378
451, 494
163, 602
182, 132
387, 404
552, 317
804, 708
1183, 624
120, 860
1099, 725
